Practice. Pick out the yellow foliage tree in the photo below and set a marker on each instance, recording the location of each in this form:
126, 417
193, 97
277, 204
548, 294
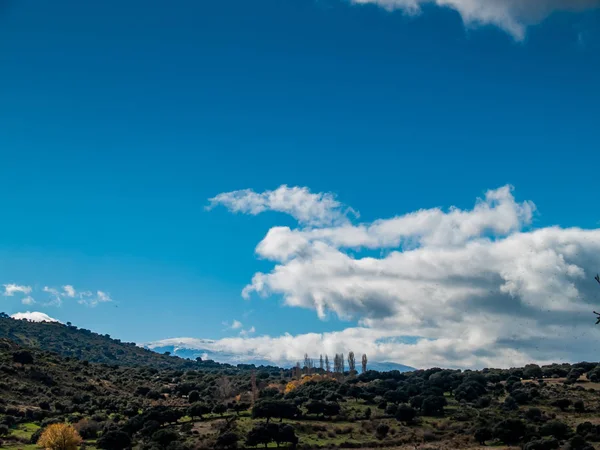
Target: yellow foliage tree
59, 436
305, 379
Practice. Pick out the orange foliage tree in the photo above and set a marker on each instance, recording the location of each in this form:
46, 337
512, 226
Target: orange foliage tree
59, 436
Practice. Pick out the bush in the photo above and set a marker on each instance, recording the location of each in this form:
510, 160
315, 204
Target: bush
405, 413
391, 409
87, 429
60, 436
114, 440
194, 397
562, 403
382, 430
556, 428
483, 434
22, 357
533, 414
510, 431
578, 443
579, 406
164, 437
227, 440
4, 430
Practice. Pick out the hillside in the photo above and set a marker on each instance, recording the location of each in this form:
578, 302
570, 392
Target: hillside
132, 406
68, 340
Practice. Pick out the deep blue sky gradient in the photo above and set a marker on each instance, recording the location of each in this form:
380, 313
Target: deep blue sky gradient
118, 120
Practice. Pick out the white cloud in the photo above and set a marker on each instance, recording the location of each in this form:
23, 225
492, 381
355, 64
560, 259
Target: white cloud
69, 291
248, 331
55, 296
10, 289
88, 299
84, 297
513, 16
236, 324
29, 300
476, 286
307, 208
35, 316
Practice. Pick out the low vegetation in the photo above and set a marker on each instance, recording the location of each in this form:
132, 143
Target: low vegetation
56, 400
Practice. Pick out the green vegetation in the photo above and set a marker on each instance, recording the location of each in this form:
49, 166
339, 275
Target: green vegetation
164, 402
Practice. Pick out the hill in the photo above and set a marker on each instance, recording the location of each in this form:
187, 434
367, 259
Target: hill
118, 407
68, 340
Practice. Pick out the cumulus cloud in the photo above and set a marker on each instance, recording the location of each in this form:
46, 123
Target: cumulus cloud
307, 208
10, 289
476, 287
236, 324
34, 316
513, 16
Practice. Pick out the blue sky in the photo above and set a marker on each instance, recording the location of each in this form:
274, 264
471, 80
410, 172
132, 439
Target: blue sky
119, 122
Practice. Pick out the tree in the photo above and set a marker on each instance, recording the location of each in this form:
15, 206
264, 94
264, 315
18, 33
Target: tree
22, 357
382, 430
562, 403
351, 363
433, 405
321, 366
114, 440
219, 409
269, 408
556, 428
193, 397
165, 436
483, 434
597, 278
260, 434
227, 440
364, 363
510, 431
198, 409
285, 434
532, 371
405, 413
59, 436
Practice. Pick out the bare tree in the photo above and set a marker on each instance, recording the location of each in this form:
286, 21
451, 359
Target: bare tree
336, 363
225, 387
254, 387
327, 366
342, 364
321, 362
364, 363
306, 364
351, 363
298, 371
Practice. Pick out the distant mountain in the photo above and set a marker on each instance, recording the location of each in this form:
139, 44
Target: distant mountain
234, 359
389, 366
208, 355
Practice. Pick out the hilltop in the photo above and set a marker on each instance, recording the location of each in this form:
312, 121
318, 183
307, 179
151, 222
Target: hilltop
71, 341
